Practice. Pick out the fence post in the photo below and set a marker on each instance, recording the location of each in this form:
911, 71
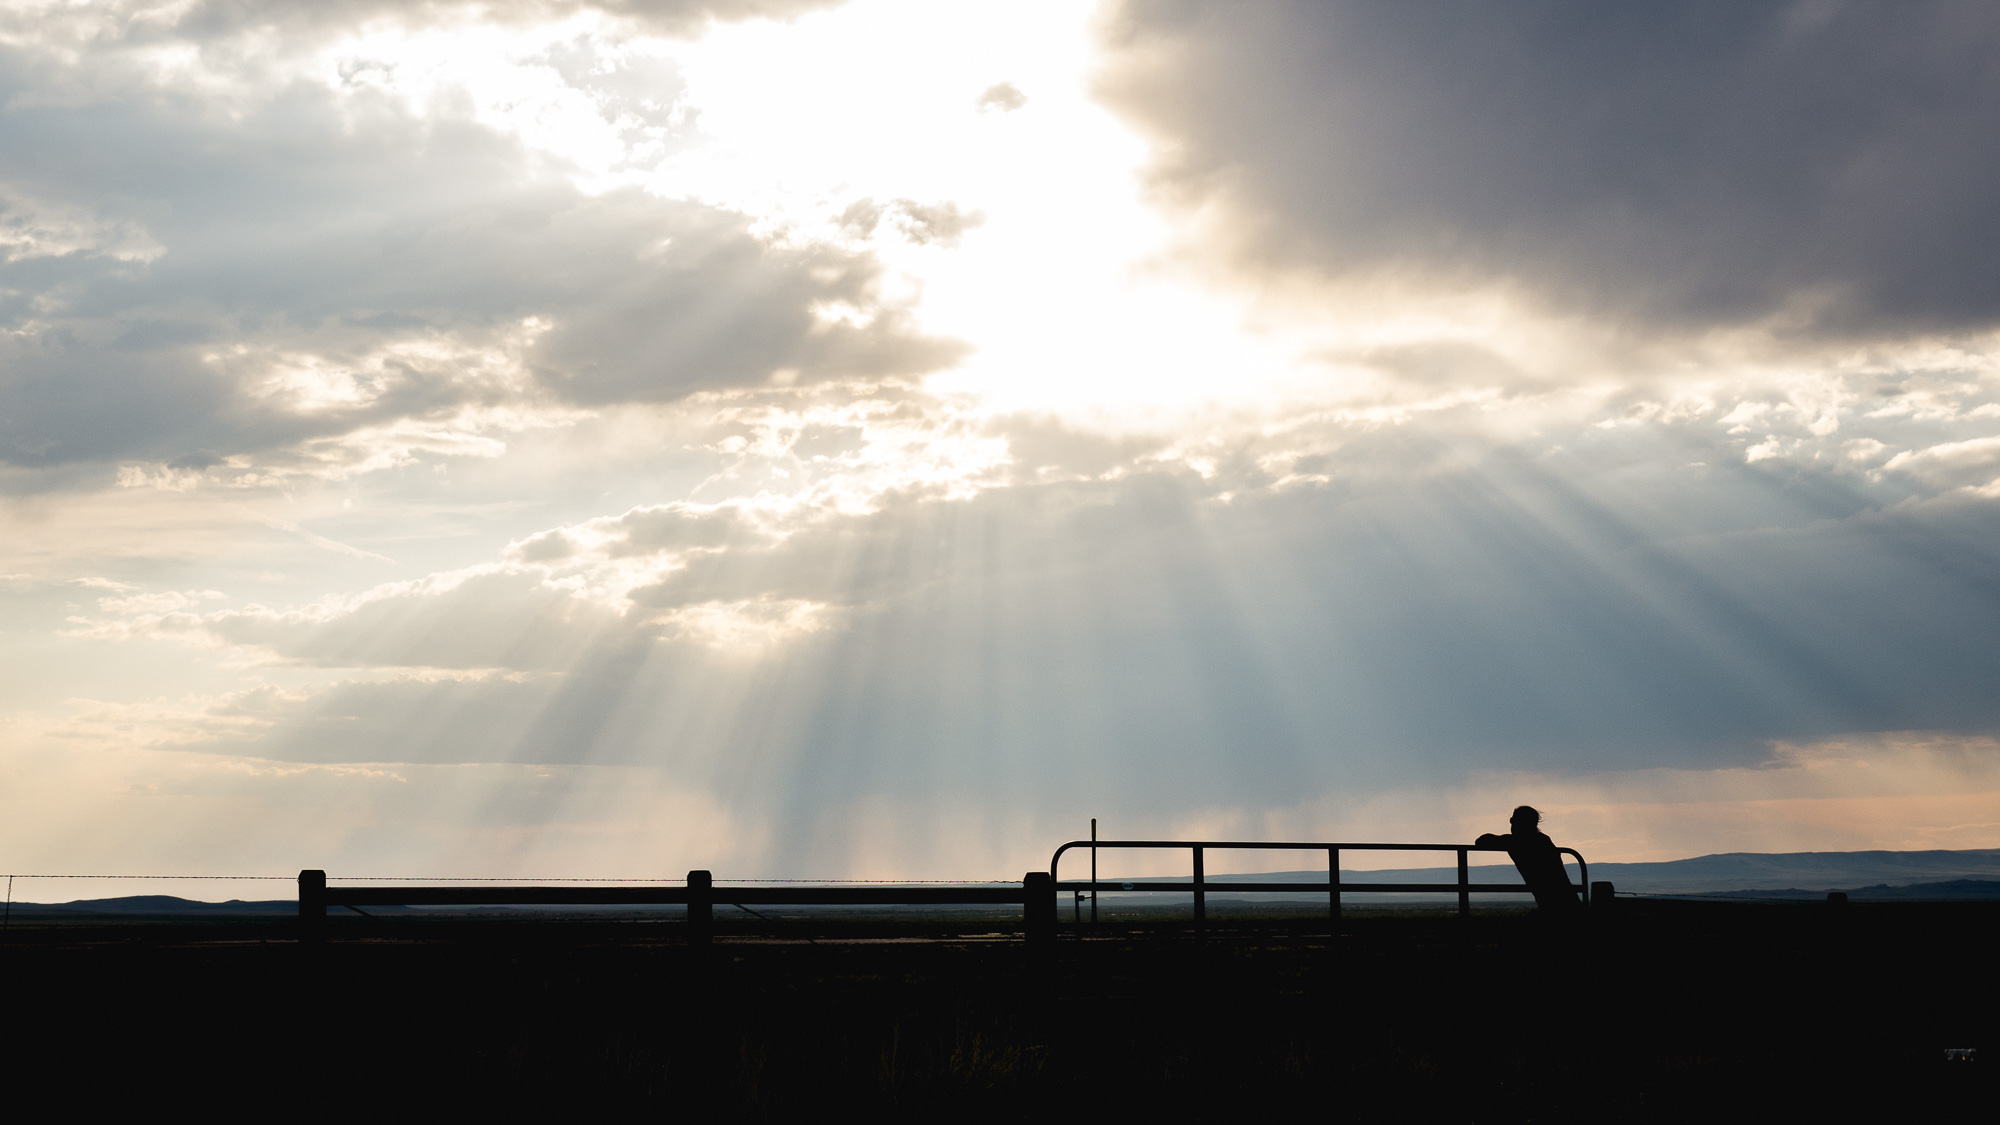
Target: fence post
1464, 881
1038, 907
312, 905
1601, 897
701, 907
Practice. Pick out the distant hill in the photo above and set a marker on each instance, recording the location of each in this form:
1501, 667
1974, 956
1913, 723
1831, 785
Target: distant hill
1882, 892
1810, 871
152, 905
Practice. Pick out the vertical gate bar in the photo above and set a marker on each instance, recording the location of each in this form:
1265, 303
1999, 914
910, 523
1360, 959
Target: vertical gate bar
1200, 896
1333, 884
1464, 881
1093, 869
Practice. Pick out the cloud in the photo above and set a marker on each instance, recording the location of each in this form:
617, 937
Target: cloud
1810, 166
1966, 463
1259, 635
470, 621
1553, 426
277, 271
1901, 790
902, 604
140, 24
1003, 96
54, 229
80, 794
921, 224
1329, 597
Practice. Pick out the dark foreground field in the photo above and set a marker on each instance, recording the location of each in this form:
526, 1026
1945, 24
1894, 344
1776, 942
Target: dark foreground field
1665, 1011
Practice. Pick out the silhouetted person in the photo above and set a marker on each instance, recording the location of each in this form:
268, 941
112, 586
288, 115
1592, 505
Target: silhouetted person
1538, 861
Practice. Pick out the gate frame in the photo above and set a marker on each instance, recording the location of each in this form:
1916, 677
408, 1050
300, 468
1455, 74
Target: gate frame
1333, 887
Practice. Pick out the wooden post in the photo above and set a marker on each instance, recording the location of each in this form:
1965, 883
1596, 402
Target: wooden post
1601, 897
1200, 895
1038, 907
701, 907
1464, 880
312, 905
1093, 869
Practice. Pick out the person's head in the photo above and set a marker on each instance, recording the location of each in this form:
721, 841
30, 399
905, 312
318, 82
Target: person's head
1526, 819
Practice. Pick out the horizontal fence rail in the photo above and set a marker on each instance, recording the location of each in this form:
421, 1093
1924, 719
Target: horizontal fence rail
1199, 885
1035, 895
675, 896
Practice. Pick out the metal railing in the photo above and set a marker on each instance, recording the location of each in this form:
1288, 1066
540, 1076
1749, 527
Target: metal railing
1333, 888
1034, 894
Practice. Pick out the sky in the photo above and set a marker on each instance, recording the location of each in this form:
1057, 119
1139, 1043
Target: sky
871, 439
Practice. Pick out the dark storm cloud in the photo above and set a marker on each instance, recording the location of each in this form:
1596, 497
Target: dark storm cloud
168, 252
1687, 164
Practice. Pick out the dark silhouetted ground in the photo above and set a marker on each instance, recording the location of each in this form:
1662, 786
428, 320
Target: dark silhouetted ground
1663, 1012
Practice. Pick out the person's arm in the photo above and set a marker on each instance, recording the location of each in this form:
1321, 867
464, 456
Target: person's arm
1489, 840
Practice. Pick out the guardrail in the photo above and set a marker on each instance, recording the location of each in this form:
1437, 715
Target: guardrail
1035, 894
1334, 886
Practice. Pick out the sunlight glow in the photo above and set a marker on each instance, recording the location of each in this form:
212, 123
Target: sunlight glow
843, 432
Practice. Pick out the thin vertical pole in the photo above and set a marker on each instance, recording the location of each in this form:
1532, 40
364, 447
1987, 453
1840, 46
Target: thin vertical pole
1333, 885
1200, 896
1464, 896
1093, 869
